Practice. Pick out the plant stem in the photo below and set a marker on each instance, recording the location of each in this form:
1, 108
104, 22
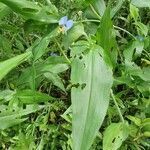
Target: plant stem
116, 104
62, 51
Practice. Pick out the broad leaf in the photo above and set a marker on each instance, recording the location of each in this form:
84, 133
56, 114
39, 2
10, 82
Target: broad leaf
114, 135
11, 63
91, 80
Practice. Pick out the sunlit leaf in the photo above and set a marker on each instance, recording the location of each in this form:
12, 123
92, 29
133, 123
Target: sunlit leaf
91, 80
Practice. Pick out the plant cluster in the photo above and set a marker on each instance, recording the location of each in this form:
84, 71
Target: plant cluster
74, 74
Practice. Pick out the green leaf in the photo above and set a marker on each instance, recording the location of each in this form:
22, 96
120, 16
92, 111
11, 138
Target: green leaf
146, 124
96, 9
26, 77
9, 121
50, 65
30, 97
136, 46
141, 3
135, 70
106, 39
142, 27
55, 79
99, 6
91, 83
31, 10
114, 136
50, 68
6, 95
134, 12
9, 118
39, 49
73, 35
11, 63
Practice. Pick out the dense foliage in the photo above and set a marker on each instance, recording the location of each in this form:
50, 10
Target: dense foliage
74, 74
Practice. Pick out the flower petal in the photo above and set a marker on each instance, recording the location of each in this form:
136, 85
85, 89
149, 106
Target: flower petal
69, 24
63, 20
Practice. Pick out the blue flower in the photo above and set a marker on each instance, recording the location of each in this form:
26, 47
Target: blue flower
65, 23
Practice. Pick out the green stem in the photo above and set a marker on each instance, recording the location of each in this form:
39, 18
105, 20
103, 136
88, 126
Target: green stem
116, 104
62, 51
